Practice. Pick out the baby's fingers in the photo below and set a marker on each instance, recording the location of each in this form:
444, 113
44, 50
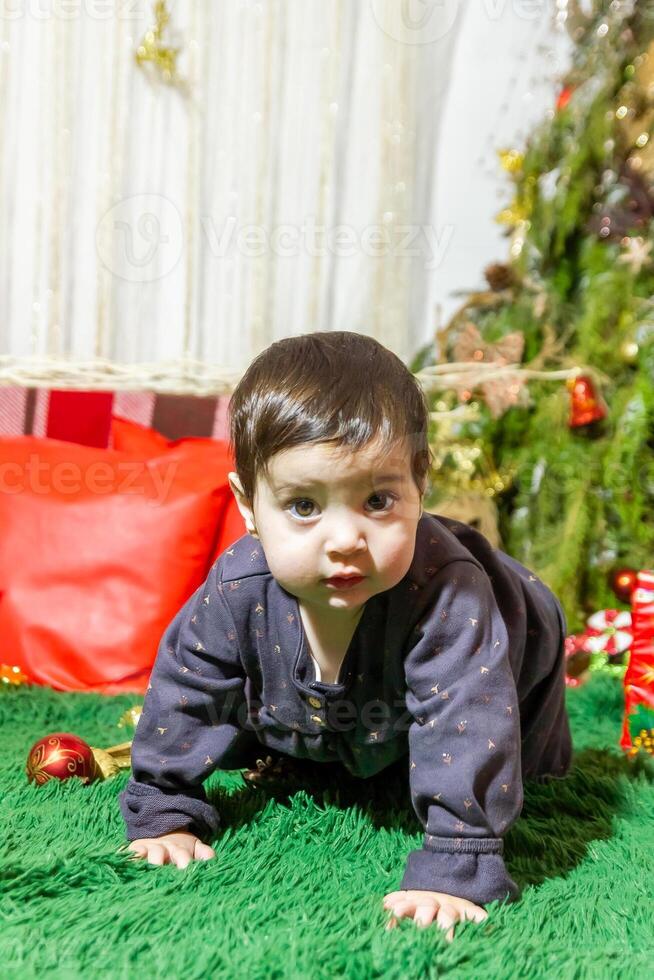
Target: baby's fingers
424, 914
203, 852
179, 856
474, 914
400, 908
157, 854
446, 919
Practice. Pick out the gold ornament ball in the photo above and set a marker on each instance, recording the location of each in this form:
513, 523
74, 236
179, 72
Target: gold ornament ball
629, 351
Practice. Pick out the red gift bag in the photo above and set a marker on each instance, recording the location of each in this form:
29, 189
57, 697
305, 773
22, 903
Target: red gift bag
99, 549
638, 725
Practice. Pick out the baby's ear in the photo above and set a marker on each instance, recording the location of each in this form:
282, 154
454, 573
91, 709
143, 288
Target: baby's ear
236, 485
242, 503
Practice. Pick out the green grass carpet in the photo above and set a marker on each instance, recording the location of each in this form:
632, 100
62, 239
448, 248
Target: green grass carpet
297, 884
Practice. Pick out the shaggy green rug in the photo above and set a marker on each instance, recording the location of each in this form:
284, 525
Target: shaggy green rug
297, 884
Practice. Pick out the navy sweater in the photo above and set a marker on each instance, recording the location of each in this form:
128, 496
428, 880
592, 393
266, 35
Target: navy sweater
459, 668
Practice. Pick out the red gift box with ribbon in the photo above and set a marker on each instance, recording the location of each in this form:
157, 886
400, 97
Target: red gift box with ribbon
638, 724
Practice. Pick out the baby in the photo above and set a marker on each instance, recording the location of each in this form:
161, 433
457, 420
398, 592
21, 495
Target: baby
348, 626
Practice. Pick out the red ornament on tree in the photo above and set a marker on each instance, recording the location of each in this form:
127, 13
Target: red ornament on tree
586, 406
564, 97
623, 582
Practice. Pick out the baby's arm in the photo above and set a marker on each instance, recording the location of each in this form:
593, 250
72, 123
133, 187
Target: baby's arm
192, 718
464, 741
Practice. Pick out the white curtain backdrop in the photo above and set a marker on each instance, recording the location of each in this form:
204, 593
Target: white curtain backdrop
330, 165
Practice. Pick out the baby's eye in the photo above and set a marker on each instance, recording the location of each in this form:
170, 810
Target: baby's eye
382, 494
300, 503
303, 501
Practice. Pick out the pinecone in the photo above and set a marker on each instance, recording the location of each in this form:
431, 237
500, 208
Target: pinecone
499, 276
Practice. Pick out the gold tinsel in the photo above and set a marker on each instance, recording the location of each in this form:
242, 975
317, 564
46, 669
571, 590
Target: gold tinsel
155, 55
511, 160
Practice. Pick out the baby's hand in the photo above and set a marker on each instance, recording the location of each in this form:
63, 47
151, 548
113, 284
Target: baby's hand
422, 906
179, 847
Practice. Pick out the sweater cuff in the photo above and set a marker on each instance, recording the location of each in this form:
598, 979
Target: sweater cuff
150, 811
471, 868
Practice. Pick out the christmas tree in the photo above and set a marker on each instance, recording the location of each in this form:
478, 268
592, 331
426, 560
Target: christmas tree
542, 386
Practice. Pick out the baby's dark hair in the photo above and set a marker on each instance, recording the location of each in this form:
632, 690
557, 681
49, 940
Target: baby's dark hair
337, 387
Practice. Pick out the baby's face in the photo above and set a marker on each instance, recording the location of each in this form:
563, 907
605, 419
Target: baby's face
323, 510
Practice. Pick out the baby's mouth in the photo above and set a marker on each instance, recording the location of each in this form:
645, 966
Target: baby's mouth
344, 581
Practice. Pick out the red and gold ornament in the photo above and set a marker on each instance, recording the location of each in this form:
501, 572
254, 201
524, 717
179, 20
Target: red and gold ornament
62, 755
